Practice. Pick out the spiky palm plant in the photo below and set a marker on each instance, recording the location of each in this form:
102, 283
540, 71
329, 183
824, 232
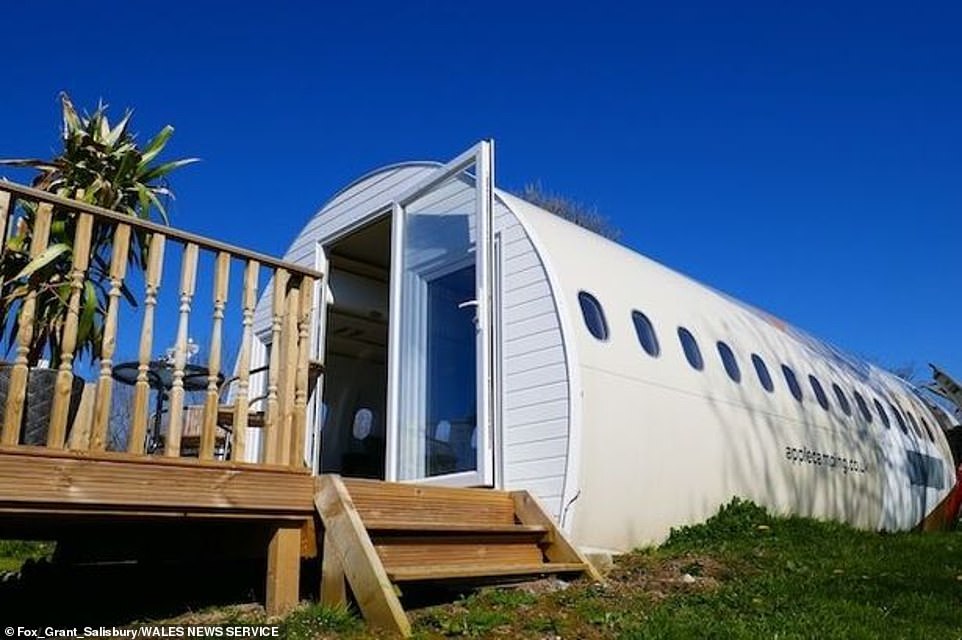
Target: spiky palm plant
101, 165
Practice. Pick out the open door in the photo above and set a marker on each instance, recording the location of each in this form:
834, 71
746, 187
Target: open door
440, 422
317, 408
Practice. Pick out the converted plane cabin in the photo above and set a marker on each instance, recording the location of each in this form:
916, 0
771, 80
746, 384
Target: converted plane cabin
473, 339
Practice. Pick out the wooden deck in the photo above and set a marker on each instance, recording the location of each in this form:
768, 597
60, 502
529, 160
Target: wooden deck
110, 477
35, 481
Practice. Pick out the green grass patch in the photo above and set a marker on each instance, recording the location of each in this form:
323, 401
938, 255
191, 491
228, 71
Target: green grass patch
13, 553
314, 621
742, 574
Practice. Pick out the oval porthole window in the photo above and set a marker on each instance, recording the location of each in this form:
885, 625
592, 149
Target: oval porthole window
882, 413
593, 315
862, 407
363, 422
899, 418
729, 362
842, 399
646, 333
792, 381
764, 377
915, 425
690, 346
819, 392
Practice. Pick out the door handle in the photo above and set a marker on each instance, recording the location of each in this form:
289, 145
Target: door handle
471, 304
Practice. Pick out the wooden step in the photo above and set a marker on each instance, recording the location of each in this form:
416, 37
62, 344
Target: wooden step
379, 534
400, 502
421, 552
390, 526
484, 570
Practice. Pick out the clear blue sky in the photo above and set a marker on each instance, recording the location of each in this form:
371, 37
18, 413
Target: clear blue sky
807, 160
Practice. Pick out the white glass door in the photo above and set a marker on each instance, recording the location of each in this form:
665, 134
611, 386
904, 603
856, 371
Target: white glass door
316, 408
440, 422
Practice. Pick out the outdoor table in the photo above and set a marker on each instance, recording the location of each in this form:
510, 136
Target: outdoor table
160, 378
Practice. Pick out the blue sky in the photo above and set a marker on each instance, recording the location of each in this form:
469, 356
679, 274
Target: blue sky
804, 159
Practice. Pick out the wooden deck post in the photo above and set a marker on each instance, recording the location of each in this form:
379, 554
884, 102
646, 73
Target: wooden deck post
287, 377
333, 580
283, 570
17, 391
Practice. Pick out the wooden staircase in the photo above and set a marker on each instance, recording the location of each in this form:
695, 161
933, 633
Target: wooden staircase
378, 535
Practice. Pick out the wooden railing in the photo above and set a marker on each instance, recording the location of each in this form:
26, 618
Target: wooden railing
284, 408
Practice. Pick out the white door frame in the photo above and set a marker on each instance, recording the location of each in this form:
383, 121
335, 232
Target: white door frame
481, 157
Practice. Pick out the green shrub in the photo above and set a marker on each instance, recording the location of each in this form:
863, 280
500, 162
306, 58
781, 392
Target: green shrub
736, 521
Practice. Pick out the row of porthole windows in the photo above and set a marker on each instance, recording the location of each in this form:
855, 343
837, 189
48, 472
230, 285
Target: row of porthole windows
597, 325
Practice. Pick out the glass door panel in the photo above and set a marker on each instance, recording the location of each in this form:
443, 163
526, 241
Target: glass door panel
440, 312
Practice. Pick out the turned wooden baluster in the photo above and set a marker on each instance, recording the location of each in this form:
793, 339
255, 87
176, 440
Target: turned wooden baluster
212, 400
242, 400
299, 421
63, 387
16, 393
118, 269
271, 421
155, 267
188, 282
287, 375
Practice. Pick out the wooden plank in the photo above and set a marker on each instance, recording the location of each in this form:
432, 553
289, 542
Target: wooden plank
118, 269
242, 397
188, 281
212, 399
454, 572
25, 513
333, 589
558, 549
362, 566
123, 481
418, 551
283, 571
141, 414
17, 391
453, 528
123, 456
56, 434
391, 501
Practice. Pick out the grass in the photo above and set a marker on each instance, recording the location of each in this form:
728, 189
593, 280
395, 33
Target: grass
309, 622
13, 553
742, 574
